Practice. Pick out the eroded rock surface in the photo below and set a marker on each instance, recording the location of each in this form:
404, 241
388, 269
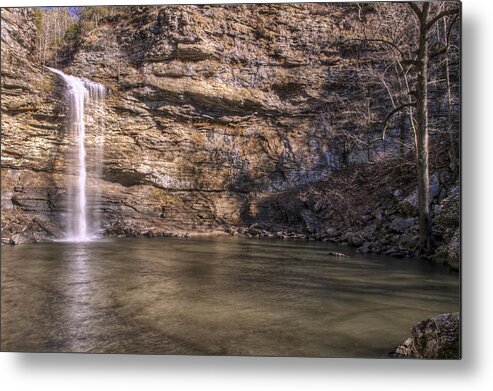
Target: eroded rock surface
33, 142
211, 110
434, 338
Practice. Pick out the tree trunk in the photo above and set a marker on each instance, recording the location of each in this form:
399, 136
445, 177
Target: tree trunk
402, 136
425, 230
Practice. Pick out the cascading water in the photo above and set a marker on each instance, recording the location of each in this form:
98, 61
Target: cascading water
83, 223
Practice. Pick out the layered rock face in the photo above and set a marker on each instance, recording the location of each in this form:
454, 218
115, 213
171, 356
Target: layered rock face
32, 128
217, 117
211, 108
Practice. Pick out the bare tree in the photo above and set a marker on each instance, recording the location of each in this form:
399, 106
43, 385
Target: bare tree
51, 25
426, 21
405, 32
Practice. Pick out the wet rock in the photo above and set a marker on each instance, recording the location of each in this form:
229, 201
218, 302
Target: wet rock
332, 232
149, 234
454, 251
19, 239
233, 231
449, 253
356, 240
408, 240
261, 225
365, 248
254, 231
434, 338
401, 225
337, 254
395, 251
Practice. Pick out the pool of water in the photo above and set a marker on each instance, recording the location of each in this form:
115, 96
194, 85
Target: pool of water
215, 295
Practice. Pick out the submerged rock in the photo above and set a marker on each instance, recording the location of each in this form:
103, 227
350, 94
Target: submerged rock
337, 254
434, 338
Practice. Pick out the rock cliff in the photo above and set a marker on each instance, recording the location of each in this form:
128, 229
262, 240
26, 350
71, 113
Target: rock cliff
32, 128
218, 117
212, 108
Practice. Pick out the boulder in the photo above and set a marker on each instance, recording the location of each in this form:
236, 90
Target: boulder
454, 251
448, 212
408, 240
254, 231
434, 338
377, 214
369, 231
356, 240
332, 232
410, 205
401, 225
19, 239
449, 252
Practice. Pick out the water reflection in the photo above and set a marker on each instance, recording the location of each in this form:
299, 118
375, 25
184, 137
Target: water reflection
79, 306
214, 296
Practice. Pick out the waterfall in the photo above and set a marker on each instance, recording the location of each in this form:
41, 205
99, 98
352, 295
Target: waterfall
85, 99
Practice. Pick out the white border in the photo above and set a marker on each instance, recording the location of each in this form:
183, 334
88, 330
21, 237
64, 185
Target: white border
474, 372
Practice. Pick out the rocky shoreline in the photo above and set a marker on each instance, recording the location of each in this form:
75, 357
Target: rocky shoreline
387, 225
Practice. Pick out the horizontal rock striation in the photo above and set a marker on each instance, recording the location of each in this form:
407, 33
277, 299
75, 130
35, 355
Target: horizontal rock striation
33, 141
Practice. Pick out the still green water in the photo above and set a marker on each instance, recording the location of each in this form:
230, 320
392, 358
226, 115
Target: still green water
214, 295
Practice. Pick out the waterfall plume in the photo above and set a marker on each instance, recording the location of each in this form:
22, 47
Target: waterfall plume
85, 100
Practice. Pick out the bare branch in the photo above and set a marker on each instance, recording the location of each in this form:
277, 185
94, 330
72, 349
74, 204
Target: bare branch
446, 47
438, 52
410, 62
415, 9
383, 41
392, 113
454, 11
